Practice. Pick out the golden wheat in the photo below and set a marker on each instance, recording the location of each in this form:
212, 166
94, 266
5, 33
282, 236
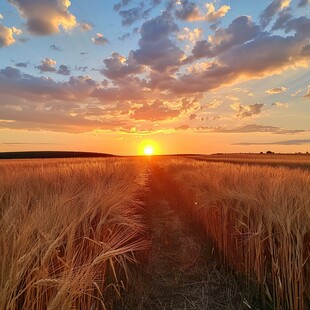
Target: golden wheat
68, 229
259, 219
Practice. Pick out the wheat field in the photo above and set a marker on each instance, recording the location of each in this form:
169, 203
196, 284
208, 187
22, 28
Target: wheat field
72, 230
69, 230
259, 220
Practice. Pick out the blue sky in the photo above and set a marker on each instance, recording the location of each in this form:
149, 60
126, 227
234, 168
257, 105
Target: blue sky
194, 76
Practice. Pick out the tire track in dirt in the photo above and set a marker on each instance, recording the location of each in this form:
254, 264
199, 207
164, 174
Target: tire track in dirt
180, 273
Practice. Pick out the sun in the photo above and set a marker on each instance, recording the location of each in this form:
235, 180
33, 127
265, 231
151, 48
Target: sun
148, 150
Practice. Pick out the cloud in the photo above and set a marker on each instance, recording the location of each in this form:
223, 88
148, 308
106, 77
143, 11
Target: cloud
139, 11
125, 36
280, 104
283, 17
29, 143
1, 16
157, 69
308, 92
81, 68
35, 89
189, 11
303, 3
263, 56
121, 4
56, 48
157, 50
118, 67
10, 73
47, 65
271, 10
86, 26
58, 121
156, 111
189, 104
286, 142
249, 129
33, 102
22, 64
276, 90
81, 104
28, 102
214, 103
129, 88
202, 49
64, 70
7, 35
306, 50
100, 39
192, 116
294, 94
156, 2
213, 15
132, 15
182, 128
241, 30
190, 35
45, 17
244, 111
301, 27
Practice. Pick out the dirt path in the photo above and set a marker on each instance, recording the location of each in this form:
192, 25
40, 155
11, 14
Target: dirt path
180, 273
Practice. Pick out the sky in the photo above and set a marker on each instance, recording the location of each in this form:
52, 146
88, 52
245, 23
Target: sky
187, 76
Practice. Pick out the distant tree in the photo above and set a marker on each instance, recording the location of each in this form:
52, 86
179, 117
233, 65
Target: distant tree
269, 152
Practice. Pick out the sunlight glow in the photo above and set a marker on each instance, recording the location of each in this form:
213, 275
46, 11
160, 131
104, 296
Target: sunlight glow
148, 150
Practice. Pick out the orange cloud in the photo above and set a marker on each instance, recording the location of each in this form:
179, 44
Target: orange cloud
213, 15
157, 111
189, 11
7, 35
190, 35
276, 90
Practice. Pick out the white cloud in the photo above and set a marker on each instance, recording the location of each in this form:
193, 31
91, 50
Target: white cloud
100, 39
47, 65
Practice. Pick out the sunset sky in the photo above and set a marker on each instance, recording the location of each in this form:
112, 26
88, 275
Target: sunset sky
191, 76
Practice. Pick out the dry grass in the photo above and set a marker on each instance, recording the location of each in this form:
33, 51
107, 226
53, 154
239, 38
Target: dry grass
68, 230
259, 220
287, 160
